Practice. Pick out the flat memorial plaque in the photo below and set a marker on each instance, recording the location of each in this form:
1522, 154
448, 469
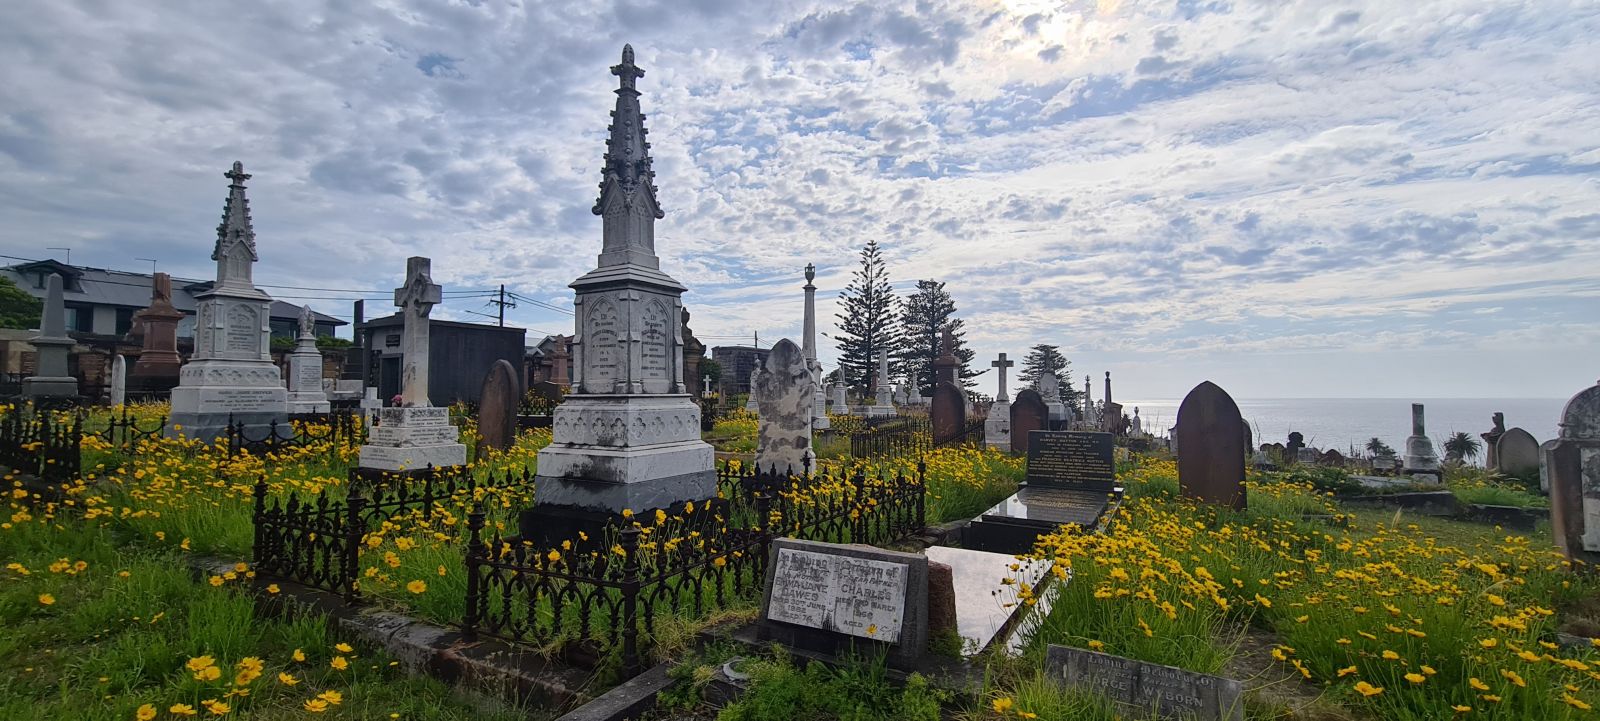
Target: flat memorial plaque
1071, 459
1164, 691
856, 596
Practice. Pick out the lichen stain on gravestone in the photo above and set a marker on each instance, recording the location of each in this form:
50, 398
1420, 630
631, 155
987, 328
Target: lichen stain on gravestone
782, 389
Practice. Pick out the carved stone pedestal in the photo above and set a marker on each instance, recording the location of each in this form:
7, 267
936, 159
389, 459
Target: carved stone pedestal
212, 392
411, 438
615, 452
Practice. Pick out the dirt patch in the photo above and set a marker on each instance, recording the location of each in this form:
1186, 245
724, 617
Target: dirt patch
1275, 690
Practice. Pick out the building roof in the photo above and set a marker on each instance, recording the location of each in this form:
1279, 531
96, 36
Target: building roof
394, 320
98, 286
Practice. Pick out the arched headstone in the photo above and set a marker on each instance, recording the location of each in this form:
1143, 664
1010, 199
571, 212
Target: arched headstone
1211, 433
948, 413
498, 401
1028, 413
1517, 453
782, 389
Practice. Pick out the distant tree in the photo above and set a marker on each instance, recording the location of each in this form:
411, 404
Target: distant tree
710, 367
869, 322
1379, 449
1461, 447
329, 343
929, 312
18, 309
1045, 358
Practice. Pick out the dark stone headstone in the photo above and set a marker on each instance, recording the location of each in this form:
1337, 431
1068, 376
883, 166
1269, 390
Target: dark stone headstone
1291, 451
948, 413
1071, 459
941, 598
832, 598
1492, 460
1164, 692
1211, 434
1028, 413
1249, 438
1572, 466
1332, 458
497, 406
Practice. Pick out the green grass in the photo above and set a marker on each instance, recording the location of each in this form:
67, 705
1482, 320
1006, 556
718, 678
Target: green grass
119, 632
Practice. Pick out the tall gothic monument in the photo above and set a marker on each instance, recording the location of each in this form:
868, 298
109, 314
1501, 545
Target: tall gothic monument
230, 374
628, 437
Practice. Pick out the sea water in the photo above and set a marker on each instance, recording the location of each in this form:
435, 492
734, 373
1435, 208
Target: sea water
1340, 423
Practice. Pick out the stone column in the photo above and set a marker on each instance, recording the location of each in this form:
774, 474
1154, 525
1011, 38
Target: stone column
819, 401
50, 379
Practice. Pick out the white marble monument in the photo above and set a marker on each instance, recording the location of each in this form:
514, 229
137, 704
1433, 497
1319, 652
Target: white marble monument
306, 394
1049, 388
819, 404
628, 437
416, 434
119, 381
750, 400
997, 427
841, 394
230, 375
883, 402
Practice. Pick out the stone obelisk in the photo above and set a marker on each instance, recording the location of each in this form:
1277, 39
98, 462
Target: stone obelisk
50, 382
883, 402
819, 404
305, 370
230, 375
416, 434
628, 436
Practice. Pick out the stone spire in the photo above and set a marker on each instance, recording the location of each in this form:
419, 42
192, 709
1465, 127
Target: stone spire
1108, 387
235, 251
627, 199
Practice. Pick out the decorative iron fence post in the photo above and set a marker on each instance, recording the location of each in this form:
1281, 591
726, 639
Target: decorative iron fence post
922, 495
469, 622
858, 526
258, 519
354, 530
630, 601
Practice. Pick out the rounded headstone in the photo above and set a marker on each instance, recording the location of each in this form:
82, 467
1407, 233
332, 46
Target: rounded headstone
1517, 453
1028, 413
497, 406
949, 412
1211, 433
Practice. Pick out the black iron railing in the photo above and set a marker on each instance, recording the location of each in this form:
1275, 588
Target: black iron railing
42, 443
970, 435
336, 428
124, 433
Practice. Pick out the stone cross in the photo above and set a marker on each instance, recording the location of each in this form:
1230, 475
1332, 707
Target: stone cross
1002, 364
705, 386
416, 299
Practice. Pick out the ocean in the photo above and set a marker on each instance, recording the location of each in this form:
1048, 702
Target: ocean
1339, 423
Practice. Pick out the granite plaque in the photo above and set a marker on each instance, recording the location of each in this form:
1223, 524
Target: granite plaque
1071, 459
1162, 691
855, 596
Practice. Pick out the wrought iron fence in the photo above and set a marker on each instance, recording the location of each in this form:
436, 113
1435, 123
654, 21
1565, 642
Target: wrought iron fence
906, 438
318, 541
971, 435
124, 433
301, 430
42, 443
690, 561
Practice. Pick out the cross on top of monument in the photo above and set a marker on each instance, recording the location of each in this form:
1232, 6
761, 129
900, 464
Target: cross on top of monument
627, 70
419, 293
1002, 362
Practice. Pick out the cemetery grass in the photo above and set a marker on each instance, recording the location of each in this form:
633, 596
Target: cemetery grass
102, 626
1378, 612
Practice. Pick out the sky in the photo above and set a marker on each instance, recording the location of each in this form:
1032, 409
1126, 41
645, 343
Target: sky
1291, 199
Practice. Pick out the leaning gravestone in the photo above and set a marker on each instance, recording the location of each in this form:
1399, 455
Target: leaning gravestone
1028, 413
1151, 689
1211, 434
1517, 453
783, 389
828, 597
1572, 465
497, 406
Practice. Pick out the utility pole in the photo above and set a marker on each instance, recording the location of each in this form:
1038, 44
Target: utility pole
502, 302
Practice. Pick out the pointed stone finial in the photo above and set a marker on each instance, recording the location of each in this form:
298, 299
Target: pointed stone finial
627, 199
234, 233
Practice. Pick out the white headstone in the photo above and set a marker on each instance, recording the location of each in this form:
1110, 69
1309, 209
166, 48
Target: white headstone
784, 389
306, 392
415, 435
119, 380
997, 427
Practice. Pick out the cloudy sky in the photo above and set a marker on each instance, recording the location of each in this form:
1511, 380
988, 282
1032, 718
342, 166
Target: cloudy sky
1326, 198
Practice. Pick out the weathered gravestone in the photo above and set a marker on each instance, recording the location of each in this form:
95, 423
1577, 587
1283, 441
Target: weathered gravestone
497, 406
1151, 689
1211, 434
1421, 462
306, 394
949, 411
1028, 413
119, 380
828, 598
1291, 450
52, 346
783, 390
1572, 465
1517, 453
1492, 459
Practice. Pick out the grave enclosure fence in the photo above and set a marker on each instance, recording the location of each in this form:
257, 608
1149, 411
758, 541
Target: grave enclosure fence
42, 443
317, 541
335, 428
907, 436
690, 561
